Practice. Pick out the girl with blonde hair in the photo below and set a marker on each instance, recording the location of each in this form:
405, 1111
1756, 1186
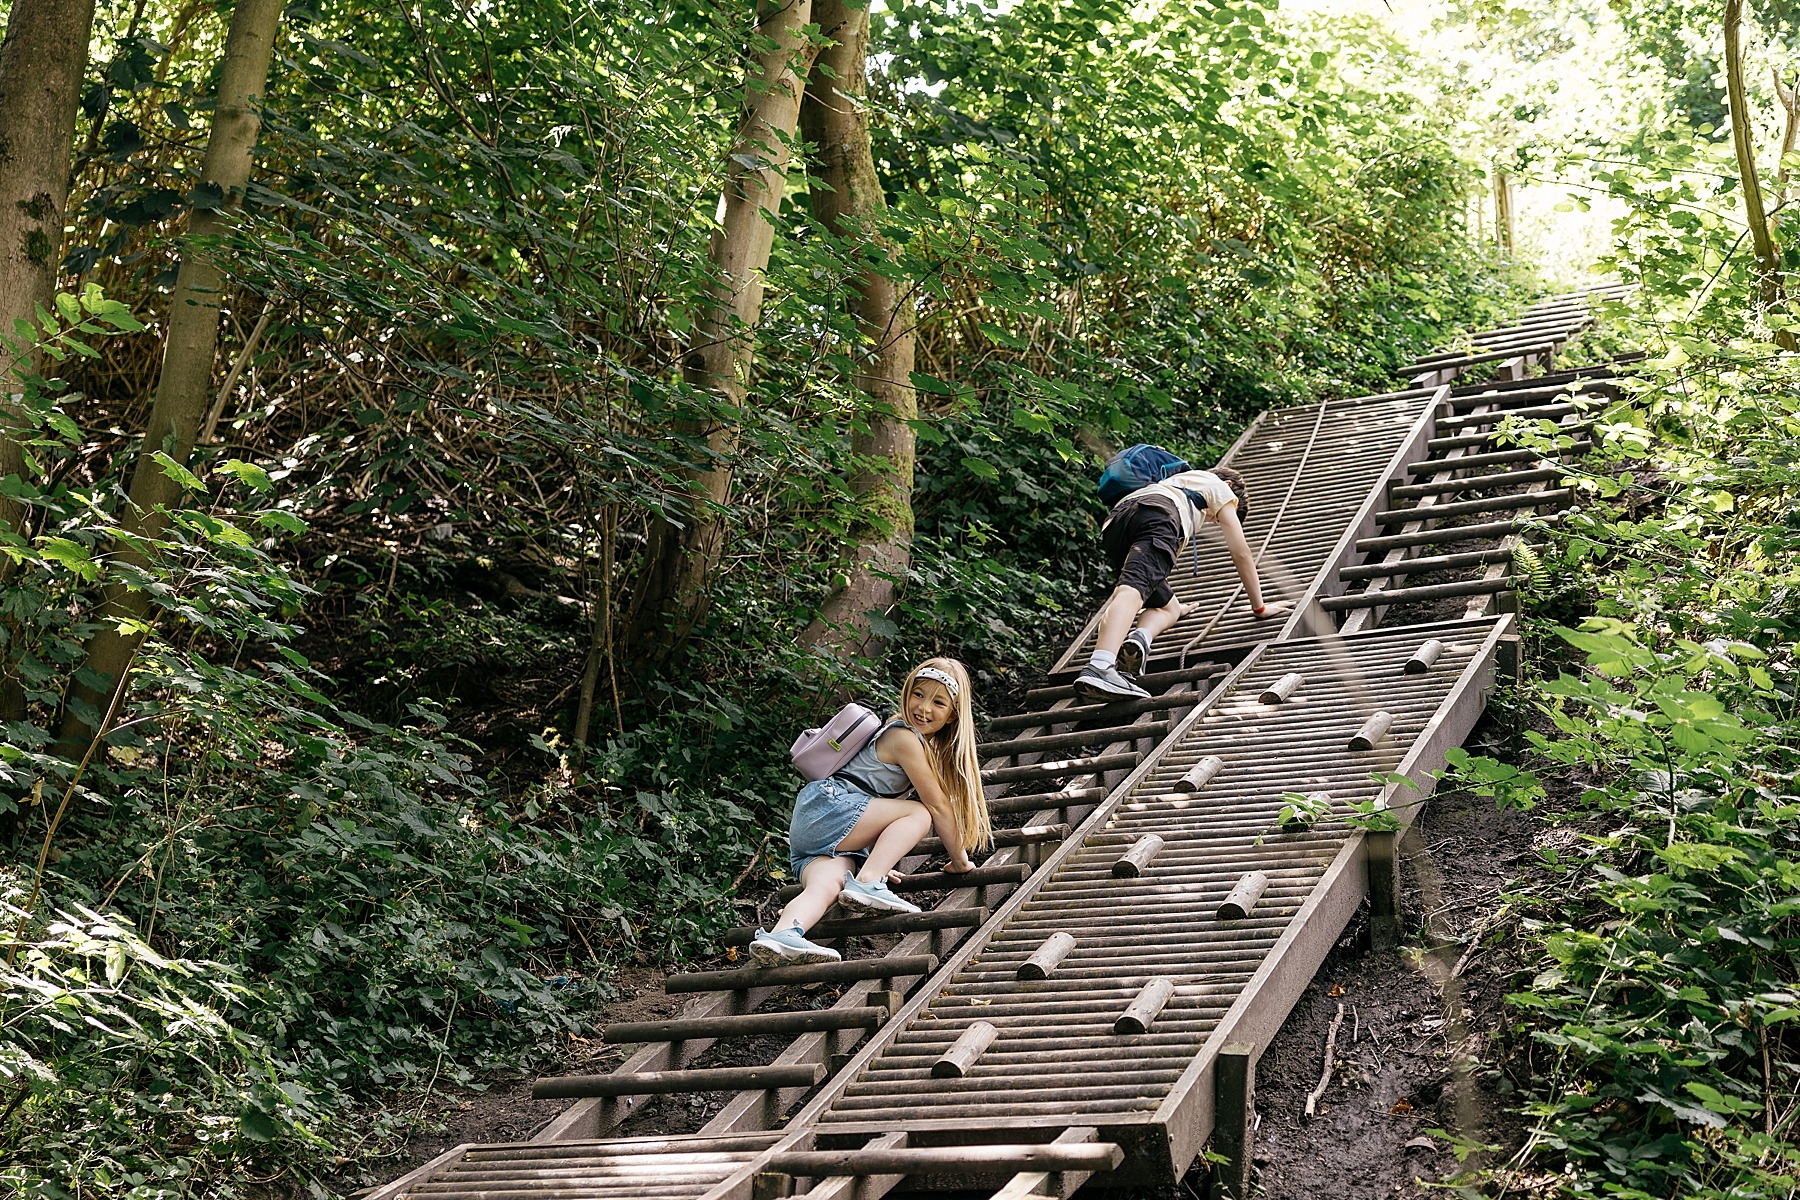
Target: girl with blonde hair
919, 773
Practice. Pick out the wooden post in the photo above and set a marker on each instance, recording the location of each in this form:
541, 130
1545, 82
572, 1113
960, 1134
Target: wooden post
1131, 864
1056, 947
1234, 1106
1384, 889
955, 1062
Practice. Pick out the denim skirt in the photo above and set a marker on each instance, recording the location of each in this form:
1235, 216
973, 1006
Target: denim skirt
825, 812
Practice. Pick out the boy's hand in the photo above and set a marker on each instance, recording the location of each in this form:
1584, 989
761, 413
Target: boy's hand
1278, 609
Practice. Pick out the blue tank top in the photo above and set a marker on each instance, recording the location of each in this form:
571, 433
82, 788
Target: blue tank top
871, 774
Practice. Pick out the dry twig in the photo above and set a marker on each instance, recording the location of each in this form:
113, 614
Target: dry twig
1312, 1099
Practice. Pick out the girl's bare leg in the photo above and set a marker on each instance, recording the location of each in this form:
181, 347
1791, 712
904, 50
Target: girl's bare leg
821, 881
887, 829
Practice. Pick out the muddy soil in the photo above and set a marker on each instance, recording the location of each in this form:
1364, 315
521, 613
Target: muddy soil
1413, 1077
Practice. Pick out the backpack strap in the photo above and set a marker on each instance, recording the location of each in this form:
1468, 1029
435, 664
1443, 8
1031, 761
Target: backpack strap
892, 722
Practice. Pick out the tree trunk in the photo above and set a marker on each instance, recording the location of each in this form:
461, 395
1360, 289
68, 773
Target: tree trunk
1506, 225
679, 559
1762, 241
835, 118
183, 389
41, 64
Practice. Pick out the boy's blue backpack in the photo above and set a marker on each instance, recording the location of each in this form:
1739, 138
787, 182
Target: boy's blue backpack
1135, 467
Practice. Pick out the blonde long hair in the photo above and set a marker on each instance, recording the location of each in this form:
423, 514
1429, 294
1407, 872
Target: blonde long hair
954, 758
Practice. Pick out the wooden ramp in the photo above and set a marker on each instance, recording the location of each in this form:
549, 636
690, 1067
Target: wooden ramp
1087, 1007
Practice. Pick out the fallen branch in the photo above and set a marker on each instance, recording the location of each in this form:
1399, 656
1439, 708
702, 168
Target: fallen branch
1312, 1100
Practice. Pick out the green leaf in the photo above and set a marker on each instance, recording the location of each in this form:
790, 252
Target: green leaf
175, 471
249, 474
979, 468
71, 555
257, 1125
287, 522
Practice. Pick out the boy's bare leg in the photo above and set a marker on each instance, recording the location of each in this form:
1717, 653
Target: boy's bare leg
1157, 621
1121, 610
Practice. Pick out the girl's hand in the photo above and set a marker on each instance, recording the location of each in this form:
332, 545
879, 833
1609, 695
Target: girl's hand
959, 866
895, 877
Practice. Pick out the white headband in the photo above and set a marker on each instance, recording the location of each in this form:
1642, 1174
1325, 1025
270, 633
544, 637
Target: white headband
943, 677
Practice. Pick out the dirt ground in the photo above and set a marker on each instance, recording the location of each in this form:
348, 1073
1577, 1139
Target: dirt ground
1413, 1052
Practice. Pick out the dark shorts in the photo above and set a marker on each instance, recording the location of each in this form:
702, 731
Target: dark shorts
1141, 542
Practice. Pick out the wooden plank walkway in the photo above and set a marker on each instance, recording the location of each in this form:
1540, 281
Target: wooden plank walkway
1091, 1003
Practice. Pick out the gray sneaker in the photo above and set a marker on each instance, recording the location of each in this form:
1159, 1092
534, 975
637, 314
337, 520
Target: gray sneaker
788, 947
1101, 684
1134, 654
875, 897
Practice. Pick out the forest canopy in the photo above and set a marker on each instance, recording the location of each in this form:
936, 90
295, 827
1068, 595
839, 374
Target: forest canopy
453, 447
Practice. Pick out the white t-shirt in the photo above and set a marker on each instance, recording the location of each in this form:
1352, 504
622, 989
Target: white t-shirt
1173, 493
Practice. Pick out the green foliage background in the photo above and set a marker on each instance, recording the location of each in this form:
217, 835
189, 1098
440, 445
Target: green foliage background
341, 852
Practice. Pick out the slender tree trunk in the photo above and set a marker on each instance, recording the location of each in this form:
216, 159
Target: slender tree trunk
1790, 127
1506, 227
41, 64
680, 559
1762, 241
184, 388
835, 118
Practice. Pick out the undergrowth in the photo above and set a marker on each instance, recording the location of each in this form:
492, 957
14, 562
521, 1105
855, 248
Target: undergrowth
1652, 1034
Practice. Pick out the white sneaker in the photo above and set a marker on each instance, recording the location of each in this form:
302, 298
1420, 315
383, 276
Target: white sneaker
1101, 684
789, 947
875, 897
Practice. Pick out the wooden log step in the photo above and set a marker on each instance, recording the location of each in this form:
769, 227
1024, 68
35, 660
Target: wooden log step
1535, 412
1091, 765
1044, 959
1592, 387
1418, 566
1435, 591
1475, 483
1283, 689
663, 1083
1496, 458
1028, 835
1032, 801
938, 881
1423, 657
1372, 731
1133, 862
1241, 901
1150, 680
1149, 1003
1200, 774
854, 969
1463, 508
1069, 741
935, 918
949, 1160
1549, 341
1482, 437
745, 1025
1094, 712
1450, 534
955, 1062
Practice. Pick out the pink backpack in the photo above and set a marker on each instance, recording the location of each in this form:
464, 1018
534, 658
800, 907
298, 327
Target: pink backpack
821, 753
